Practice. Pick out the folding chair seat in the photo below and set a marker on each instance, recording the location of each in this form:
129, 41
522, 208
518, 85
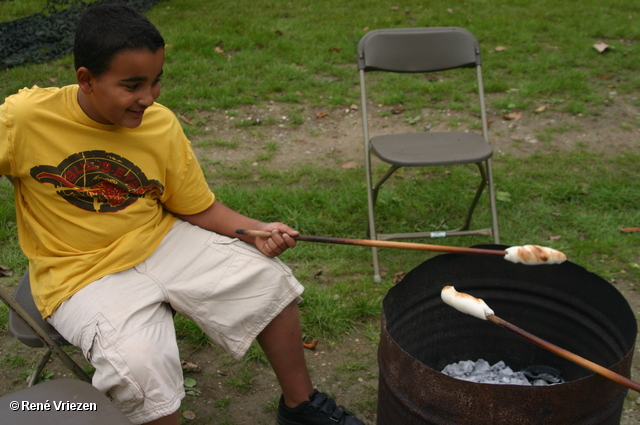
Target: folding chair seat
425, 50
26, 324
50, 403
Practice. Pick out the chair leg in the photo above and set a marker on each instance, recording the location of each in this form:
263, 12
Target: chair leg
33, 378
492, 200
383, 179
377, 277
371, 233
484, 182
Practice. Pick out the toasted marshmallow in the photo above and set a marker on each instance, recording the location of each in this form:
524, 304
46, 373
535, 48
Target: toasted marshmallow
465, 303
534, 255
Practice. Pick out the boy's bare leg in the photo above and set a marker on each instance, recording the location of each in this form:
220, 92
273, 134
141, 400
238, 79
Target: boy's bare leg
281, 341
172, 419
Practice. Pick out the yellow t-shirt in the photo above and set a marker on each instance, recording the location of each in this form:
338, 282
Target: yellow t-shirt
92, 199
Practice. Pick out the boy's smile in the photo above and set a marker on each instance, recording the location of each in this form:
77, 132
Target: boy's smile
120, 95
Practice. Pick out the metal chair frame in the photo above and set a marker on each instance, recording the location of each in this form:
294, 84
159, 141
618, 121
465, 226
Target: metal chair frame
26, 324
424, 50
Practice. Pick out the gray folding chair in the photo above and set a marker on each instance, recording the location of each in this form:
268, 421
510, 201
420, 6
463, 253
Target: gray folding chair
424, 50
26, 324
50, 403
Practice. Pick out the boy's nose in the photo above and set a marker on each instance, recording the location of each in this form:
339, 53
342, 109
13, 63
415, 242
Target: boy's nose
148, 97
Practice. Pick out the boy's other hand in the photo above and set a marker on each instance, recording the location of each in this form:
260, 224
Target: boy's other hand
280, 240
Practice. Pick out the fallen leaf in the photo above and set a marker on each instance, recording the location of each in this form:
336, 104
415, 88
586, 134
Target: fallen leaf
398, 277
630, 229
365, 29
555, 238
279, 32
190, 367
503, 196
335, 49
318, 274
188, 414
185, 119
500, 49
219, 50
5, 271
310, 345
189, 382
601, 47
555, 213
512, 116
322, 114
450, 10
395, 9
53, 79
605, 77
397, 111
349, 165
540, 109
354, 107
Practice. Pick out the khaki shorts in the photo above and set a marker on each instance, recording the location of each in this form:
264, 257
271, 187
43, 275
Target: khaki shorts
124, 324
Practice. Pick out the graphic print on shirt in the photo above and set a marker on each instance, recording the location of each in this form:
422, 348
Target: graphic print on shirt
97, 181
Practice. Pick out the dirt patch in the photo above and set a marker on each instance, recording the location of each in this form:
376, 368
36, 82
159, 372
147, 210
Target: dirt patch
285, 136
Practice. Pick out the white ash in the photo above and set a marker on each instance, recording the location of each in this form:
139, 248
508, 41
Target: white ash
482, 372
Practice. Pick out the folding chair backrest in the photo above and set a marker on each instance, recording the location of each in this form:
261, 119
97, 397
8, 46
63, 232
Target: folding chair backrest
418, 50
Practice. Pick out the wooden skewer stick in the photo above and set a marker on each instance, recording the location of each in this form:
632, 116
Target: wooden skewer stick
465, 302
587, 364
380, 244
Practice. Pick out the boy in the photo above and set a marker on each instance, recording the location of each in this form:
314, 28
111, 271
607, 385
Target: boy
119, 226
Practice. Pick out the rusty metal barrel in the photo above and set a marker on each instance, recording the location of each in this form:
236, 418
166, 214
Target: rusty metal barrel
564, 304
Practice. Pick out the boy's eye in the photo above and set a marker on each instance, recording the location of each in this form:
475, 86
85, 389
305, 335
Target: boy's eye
132, 87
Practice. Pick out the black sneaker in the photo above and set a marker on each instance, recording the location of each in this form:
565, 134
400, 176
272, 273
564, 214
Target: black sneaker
320, 410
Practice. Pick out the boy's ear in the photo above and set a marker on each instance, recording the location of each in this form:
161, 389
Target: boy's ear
84, 78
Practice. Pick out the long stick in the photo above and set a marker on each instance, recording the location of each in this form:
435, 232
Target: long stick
600, 370
380, 244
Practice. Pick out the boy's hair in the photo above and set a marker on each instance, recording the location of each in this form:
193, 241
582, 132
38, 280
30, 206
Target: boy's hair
107, 29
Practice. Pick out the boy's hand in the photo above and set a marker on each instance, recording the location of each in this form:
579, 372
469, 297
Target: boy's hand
279, 241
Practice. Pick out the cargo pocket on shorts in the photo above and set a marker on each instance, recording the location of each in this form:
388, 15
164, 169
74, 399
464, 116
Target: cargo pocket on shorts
112, 375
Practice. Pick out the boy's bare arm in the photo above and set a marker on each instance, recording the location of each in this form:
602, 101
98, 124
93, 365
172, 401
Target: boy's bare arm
222, 219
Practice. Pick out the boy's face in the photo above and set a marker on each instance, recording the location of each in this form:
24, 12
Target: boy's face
121, 94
